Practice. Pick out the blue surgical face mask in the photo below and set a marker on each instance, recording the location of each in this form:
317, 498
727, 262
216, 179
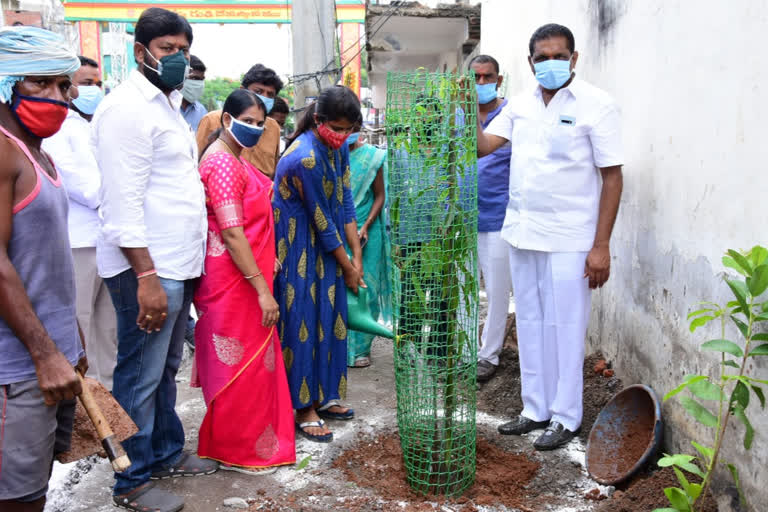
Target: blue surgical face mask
553, 73
268, 102
486, 93
353, 138
89, 98
247, 135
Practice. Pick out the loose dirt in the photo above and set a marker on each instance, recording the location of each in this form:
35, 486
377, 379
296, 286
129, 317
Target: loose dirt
646, 493
501, 395
502, 477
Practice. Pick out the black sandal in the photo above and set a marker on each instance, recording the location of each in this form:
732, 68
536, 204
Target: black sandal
147, 498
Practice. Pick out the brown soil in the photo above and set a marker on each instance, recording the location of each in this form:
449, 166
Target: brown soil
646, 493
630, 443
502, 477
501, 395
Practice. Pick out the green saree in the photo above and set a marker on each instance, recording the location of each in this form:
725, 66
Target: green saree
365, 163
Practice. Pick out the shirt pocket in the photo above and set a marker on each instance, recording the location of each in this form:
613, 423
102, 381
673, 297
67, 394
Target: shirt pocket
561, 141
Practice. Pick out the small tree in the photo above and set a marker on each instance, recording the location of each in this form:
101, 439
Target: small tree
433, 209
730, 393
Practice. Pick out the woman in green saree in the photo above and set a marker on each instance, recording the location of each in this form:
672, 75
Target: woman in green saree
368, 165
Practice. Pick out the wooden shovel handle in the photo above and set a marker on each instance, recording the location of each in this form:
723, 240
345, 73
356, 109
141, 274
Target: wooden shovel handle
94, 411
118, 458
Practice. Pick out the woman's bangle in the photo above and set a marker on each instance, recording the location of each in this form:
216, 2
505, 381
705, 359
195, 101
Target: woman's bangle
146, 274
257, 274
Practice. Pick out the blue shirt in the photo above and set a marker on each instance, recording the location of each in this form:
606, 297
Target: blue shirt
193, 114
493, 183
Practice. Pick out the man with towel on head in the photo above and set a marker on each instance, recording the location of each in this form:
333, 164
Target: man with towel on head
39, 339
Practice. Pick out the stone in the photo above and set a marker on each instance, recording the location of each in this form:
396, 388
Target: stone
236, 503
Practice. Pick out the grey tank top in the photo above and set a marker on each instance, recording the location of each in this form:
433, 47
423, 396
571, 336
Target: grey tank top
39, 251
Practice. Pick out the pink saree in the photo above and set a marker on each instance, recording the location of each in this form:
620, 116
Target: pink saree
239, 364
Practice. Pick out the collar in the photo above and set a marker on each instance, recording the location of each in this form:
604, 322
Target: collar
573, 88
150, 92
493, 113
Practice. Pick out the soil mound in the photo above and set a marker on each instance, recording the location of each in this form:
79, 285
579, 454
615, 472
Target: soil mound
502, 477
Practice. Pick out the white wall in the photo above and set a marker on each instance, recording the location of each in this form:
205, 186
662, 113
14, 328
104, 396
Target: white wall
688, 75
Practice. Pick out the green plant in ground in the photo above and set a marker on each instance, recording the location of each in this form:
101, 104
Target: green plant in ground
730, 394
432, 194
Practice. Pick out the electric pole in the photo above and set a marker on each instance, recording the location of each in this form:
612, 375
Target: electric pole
313, 33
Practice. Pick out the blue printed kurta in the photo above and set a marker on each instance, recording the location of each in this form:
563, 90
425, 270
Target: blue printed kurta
312, 202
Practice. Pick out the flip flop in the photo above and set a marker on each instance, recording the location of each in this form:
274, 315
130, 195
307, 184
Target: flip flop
248, 471
323, 412
318, 438
188, 465
362, 362
147, 498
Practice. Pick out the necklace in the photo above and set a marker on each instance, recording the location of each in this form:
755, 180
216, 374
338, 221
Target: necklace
229, 148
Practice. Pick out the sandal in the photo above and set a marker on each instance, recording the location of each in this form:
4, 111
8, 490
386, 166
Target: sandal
362, 362
147, 498
188, 465
318, 438
248, 471
324, 412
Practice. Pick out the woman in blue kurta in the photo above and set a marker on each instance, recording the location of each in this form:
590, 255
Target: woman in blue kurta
315, 218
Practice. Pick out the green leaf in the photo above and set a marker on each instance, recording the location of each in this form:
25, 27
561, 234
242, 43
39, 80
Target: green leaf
759, 393
705, 390
705, 451
761, 336
749, 433
762, 317
731, 364
686, 382
683, 481
758, 283
730, 263
741, 394
741, 261
735, 474
304, 463
760, 350
723, 346
742, 326
677, 498
739, 289
700, 321
758, 255
699, 412
699, 312
665, 510
682, 461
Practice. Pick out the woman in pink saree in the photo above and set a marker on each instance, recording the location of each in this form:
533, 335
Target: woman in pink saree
249, 423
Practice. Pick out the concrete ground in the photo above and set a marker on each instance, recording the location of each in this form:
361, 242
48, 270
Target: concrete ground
86, 485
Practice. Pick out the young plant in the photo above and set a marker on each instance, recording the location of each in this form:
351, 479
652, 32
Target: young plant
729, 395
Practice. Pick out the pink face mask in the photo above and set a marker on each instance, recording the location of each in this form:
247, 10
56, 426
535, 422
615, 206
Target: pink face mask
330, 137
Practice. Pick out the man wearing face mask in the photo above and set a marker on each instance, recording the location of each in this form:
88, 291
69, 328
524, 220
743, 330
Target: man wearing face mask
194, 86
39, 343
150, 251
70, 149
564, 190
492, 251
265, 83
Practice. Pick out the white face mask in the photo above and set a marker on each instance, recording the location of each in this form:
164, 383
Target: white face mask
193, 89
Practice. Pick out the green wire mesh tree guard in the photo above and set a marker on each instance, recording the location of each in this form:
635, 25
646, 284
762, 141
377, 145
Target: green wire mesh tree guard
432, 155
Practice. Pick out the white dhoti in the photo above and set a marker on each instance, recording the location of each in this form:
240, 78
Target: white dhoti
96, 316
493, 257
552, 306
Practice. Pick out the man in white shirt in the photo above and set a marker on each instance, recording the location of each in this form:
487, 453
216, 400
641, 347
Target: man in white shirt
150, 251
566, 136
70, 149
